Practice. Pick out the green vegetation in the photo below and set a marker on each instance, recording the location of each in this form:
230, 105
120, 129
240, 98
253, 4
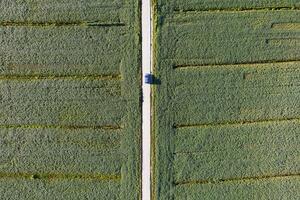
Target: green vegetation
70, 80
227, 112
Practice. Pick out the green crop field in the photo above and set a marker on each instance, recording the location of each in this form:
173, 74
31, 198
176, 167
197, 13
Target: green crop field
227, 103
70, 120
226, 108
